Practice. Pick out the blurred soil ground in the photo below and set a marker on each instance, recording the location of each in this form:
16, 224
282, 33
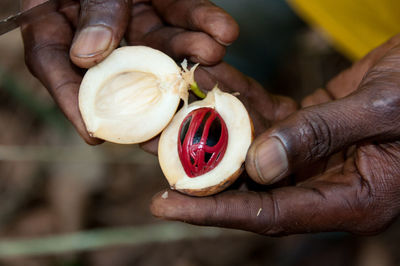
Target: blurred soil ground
52, 183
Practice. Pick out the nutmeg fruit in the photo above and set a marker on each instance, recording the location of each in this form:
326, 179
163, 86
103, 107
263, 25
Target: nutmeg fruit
229, 164
133, 95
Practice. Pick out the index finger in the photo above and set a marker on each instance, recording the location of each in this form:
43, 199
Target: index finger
199, 16
262, 106
326, 206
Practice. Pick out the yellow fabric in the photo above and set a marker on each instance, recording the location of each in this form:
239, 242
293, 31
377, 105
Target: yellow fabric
355, 26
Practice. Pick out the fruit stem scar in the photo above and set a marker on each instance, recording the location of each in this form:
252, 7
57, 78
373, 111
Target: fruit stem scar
196, 90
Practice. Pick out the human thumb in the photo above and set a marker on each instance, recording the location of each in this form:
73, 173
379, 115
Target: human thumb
314, 133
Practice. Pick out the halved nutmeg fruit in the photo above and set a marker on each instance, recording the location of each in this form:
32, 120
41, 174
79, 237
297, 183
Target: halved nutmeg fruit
203, 149
133, 95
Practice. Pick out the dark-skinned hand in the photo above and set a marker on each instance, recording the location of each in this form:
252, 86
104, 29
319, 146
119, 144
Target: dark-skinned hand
59, 45
341, 150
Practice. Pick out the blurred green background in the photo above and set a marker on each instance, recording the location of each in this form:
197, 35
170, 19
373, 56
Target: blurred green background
65, 203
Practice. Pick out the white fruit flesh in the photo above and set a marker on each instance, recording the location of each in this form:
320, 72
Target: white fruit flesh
132, 95
239, 128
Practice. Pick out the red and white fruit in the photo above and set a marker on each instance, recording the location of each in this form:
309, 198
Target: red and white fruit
133, 95
212, 178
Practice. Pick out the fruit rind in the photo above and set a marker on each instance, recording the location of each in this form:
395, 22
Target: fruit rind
207, 191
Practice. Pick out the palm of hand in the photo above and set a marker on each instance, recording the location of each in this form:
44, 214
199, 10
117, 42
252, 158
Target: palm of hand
343, 159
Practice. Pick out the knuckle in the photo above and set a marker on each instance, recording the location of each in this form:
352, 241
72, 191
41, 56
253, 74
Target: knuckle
382, 97
316, 133
289, 105
39, 55
284, 107
200, 45
95, 2
346, 81
308, 101
271, 224
92, 6
213, 54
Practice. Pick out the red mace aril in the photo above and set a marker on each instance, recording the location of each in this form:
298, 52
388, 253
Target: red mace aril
202, 141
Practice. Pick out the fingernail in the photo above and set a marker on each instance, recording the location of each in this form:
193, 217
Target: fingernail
271, 161
91, 41
223, 43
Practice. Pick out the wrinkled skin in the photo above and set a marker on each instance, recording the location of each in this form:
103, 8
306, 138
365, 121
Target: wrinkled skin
59, 46
340, 151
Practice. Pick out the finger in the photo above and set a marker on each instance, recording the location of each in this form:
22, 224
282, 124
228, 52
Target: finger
251, 93
357, 197
146, 28
316, 132
318, 97
151, 146
199, 16
102, 25
46, 54
263, 107
349, 80
329, 206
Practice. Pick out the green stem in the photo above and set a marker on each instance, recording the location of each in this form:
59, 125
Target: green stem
196, 90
